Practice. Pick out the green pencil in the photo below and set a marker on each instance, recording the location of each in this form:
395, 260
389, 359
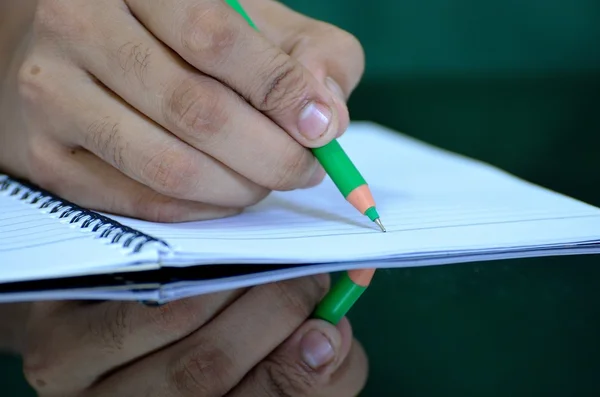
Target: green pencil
342, 296
355, 190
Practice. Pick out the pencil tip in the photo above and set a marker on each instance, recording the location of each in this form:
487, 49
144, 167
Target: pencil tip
378, 222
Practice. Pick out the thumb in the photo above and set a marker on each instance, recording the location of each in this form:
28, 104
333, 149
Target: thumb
322, 48
301, 366
336, 60
316, 66
333, 56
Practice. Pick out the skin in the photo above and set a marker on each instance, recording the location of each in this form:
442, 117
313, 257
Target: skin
192, 115
251, 342
175, 110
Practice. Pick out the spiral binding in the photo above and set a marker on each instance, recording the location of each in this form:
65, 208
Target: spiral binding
104, 227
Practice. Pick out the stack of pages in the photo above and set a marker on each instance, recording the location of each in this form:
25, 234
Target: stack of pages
439, 208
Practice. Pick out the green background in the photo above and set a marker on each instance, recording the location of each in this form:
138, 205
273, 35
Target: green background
515, 83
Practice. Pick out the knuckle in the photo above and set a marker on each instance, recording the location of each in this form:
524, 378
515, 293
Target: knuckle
195, 109
170, 173
32, 88
205, 32
285, 85
103, 136
293, 165
176, 318
133, 59
44, 365
39, 369
285, 379
111, 329
202, 371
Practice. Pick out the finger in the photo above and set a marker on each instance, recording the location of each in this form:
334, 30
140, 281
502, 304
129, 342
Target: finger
218, 41
102, 123
196, 108
211, 361
302, 365
336, 60
326, 50
90, 340
80, 177
334, 56
351, 377
329, 53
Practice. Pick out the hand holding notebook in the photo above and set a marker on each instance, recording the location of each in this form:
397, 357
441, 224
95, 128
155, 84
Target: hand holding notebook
440, 208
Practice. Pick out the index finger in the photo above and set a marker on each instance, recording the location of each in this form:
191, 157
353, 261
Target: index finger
216, 40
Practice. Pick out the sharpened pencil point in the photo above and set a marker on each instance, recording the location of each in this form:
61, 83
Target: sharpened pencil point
378, 222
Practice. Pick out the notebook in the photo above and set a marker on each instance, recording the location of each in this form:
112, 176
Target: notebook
439, 208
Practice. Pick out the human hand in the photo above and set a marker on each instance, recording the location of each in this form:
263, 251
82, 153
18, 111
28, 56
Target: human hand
240, 343
174, 110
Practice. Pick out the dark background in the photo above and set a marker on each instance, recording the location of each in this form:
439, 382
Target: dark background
515, 83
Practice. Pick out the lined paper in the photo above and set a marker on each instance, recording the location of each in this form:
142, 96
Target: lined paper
438, 207
431, 201
35, 244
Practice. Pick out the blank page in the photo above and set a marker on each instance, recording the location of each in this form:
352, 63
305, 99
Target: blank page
432, 202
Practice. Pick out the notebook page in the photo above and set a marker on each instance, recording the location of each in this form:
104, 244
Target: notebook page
431, 202
35, 244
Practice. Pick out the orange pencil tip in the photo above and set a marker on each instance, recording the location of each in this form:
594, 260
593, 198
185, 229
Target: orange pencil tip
361, 277
361, 198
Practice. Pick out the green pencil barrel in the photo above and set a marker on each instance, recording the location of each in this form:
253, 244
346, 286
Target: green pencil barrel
339, 167
339, 300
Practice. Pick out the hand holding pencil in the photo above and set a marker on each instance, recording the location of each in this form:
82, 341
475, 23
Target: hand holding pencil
354, 188
336, 162
176, 112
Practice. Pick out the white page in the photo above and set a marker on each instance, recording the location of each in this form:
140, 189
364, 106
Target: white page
179, 290
431, 201
439, 208
35, 244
